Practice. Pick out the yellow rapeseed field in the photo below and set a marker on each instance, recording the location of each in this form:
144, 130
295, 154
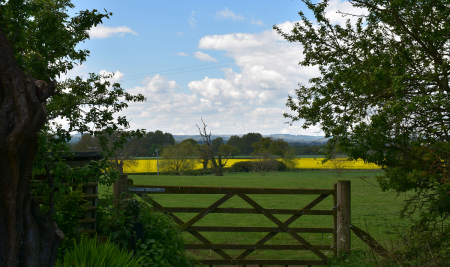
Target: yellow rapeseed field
149, 165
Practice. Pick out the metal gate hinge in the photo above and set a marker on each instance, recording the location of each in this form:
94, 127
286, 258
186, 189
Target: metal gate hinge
335, 207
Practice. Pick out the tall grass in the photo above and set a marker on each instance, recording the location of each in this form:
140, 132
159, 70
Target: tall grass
89, 253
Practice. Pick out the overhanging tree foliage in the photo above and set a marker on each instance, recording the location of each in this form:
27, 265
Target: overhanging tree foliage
37, 43
383, 93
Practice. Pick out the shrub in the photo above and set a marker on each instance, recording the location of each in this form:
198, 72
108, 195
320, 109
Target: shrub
162, 243
242, 166
264, 162
88, 252
281, 166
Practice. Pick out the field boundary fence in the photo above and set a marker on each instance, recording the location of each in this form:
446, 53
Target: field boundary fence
339, 221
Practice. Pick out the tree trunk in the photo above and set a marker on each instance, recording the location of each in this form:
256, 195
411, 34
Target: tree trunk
28, 238
216, 166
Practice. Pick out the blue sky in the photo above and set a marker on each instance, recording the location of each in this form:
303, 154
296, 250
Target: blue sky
216, 60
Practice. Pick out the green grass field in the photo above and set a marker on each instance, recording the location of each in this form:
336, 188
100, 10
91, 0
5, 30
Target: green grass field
372, 209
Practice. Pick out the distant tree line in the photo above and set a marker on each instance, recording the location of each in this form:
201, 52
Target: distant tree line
245, 142
313, 148
243, 146
212, 154
143, 147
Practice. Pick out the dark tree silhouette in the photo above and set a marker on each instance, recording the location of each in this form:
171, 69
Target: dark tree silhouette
28, 238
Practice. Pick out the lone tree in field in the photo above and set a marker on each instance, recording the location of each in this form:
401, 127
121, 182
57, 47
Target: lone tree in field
207, 148
37, 43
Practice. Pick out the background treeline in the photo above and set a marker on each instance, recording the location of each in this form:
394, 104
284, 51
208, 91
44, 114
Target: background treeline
146, 147
142, 147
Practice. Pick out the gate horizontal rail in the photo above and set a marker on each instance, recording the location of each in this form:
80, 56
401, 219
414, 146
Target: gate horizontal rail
255, 246
170, 189
257, 229
249, 211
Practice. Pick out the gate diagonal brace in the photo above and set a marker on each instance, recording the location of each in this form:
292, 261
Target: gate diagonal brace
180, 222
205, 212
283, 226
291, 219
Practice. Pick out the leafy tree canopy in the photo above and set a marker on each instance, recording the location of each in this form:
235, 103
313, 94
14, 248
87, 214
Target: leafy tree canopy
245, 142
262, 145
383, 92
44, 36
179, 158
227, 151
157, 139
190, 141
277, 147
38, 41
216, 143
44, 39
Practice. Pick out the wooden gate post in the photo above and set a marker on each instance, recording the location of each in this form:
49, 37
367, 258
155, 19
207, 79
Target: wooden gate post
343, 217
335, 220
120, 186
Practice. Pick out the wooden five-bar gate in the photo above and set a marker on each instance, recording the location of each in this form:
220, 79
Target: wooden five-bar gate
339, 221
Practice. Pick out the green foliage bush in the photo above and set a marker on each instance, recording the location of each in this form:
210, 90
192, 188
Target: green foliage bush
162, 243
281, 166
242, 166
426, 246
88, 252
247, 166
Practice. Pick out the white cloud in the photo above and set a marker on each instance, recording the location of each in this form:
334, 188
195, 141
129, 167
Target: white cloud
228, 14
253, 97
204, 57
156, 84
102, 31
182, 54
191, 20
180, 33
164, 102
116, 76
249, 99
257, 22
